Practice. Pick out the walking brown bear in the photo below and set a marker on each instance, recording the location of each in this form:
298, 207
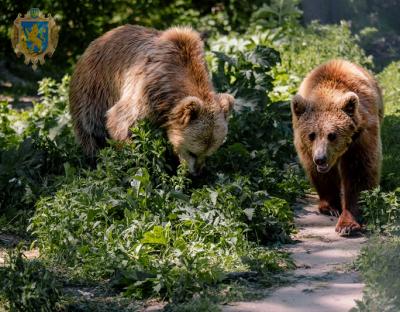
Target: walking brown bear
337, 115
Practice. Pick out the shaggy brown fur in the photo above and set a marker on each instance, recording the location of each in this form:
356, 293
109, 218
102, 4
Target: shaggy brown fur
131, 73
337, 115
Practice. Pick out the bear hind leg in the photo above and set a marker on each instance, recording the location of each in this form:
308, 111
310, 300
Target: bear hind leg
90, 142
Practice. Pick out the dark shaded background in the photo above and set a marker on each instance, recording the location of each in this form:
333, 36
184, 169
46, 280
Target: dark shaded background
376, 22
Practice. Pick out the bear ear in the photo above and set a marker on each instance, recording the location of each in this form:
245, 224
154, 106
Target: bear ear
298, 105
350, 103
226, 101
187, 110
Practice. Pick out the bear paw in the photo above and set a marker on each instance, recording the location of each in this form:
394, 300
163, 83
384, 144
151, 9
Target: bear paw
347, 225
327, 209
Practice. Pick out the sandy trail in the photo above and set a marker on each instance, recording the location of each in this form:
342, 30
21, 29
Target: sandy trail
9, 241
323, 280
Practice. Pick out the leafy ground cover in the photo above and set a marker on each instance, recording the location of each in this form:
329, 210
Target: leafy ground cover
378, 262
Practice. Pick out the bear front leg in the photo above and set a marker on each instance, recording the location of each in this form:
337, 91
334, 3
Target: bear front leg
347, 223
359, 170
328, 189
121, 117
130, 108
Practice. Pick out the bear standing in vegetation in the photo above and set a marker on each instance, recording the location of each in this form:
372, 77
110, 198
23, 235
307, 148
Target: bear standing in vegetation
132, 73
337, 115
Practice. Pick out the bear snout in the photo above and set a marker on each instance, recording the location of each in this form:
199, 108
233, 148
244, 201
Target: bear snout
321, 161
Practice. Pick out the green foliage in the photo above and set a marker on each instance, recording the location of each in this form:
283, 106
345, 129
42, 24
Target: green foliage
303, 49
387, 79
309, 47
279, 13
246, 74
381, 210
243, 68
33, 146
380, 269
378, 26
391, 126
130, 219
27, 285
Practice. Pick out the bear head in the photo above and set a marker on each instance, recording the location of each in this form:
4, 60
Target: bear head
196, 129
325, 126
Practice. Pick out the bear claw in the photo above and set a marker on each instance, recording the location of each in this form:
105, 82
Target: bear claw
334, 213
327, 209
346, 225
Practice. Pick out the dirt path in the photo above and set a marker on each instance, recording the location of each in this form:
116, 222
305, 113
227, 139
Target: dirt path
9, 241
323, 280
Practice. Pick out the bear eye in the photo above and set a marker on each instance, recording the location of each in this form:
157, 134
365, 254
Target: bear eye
332, 136
311, 136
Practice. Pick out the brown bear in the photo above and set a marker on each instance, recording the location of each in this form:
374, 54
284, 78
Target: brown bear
131, 73
337, 115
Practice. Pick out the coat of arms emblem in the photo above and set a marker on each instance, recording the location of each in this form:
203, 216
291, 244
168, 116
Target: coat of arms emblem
34, 36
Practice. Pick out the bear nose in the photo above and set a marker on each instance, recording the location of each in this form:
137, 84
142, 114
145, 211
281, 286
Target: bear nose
320, 160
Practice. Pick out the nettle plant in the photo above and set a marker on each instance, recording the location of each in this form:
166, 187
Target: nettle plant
381, 210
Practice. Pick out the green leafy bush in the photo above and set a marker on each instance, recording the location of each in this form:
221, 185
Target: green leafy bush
27, 285
131, 219
380, 268
381, 210
34, 145
391, 126
278, 13
304, 48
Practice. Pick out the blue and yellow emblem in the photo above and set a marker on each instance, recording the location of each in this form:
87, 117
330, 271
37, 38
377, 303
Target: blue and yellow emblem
34, 36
